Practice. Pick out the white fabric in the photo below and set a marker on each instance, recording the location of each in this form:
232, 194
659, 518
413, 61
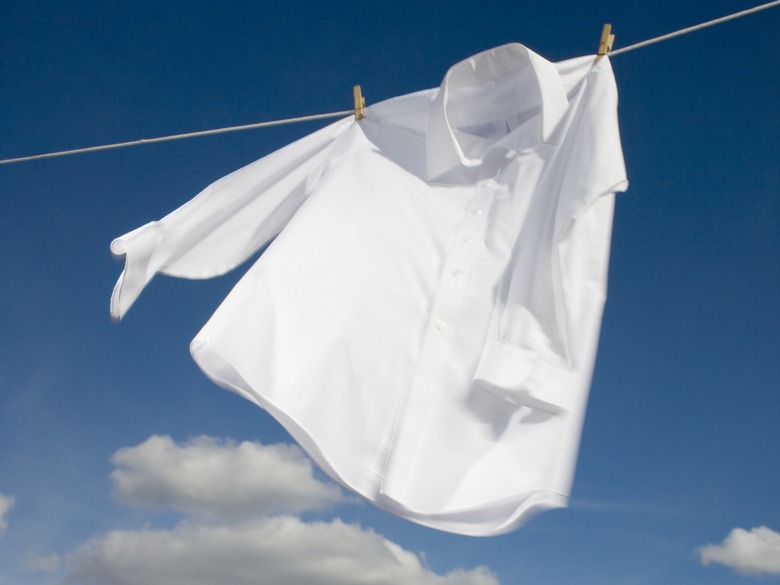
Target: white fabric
425, 321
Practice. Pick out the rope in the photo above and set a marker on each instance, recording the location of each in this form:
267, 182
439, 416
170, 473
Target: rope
349, 112
177, 137
694, 28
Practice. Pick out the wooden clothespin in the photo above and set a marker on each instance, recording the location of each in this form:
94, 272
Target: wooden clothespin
605, 44
360, 102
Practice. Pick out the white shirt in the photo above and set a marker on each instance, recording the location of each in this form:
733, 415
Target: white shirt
425, 321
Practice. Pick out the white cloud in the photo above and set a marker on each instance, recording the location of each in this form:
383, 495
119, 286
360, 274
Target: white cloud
754, 551
6, 503
219, 478
42, 563
222, 481
274, 551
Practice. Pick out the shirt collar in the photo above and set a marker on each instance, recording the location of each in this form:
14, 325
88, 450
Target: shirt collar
508, 97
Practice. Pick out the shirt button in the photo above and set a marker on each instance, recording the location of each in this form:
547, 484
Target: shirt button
477, 211
457, 273
488, 183
466, 239
440, 325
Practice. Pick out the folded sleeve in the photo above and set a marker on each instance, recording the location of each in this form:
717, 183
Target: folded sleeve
226, 223
549, 326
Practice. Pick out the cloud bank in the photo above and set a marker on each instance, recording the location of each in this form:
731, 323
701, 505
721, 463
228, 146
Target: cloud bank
273, 551
241, 527
6, 503
754, 551
219, 478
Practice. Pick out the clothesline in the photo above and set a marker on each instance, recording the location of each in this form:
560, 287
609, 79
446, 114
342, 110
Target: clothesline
691, 29
348, 112
178, 136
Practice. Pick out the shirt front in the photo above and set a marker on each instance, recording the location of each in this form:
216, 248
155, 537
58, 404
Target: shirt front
425, 321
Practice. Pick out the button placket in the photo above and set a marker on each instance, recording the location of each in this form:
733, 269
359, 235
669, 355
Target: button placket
460, 260
446, 310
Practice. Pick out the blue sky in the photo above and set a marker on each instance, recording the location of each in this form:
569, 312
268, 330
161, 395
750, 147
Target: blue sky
106, 428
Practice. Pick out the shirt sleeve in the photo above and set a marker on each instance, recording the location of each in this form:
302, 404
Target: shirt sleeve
554, 298
226, 223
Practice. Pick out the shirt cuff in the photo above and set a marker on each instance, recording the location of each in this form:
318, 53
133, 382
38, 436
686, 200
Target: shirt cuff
137, 249
520, 376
